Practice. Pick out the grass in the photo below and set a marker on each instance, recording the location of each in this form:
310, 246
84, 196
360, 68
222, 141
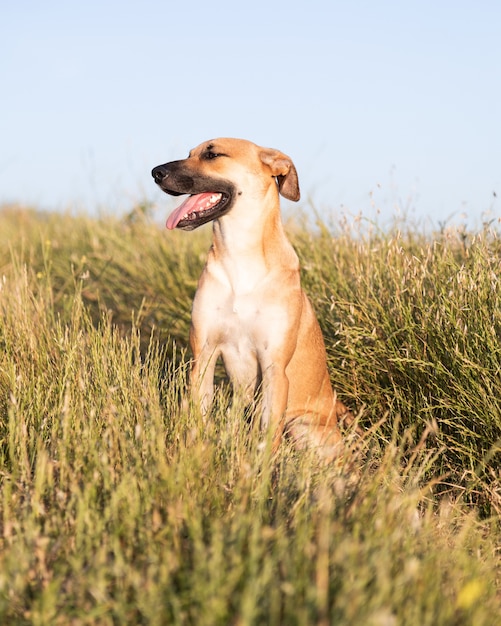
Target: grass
118, 506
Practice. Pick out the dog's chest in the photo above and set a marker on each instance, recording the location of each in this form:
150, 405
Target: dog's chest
241, 322
237, 319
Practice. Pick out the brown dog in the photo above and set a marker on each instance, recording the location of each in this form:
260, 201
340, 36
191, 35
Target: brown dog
249, 307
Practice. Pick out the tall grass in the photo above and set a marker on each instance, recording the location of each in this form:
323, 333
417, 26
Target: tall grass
119, 506
416, 320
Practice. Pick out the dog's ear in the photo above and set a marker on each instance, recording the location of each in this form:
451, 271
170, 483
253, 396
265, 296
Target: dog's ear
283, 169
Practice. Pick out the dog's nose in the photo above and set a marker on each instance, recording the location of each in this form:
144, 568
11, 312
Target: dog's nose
159, 173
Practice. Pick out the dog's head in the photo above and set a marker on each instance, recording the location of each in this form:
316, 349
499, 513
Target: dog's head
219, 172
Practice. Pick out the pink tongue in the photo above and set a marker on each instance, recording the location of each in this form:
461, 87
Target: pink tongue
193, 204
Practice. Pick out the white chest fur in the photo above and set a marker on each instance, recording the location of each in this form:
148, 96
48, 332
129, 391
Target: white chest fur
242, 327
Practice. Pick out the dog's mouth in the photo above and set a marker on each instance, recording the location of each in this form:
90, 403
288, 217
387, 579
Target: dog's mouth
198, 209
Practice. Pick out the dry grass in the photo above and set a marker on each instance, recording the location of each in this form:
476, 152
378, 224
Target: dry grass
118, 506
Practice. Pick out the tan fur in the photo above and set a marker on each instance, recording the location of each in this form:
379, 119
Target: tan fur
249, 307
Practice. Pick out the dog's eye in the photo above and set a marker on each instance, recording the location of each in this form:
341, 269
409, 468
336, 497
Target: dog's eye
209, 155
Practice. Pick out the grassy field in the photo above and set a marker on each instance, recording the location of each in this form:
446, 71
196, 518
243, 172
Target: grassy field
118, 506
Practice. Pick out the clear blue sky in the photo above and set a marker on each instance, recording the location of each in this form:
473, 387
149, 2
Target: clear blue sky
379, 103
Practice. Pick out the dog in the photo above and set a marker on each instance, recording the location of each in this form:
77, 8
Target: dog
249, 307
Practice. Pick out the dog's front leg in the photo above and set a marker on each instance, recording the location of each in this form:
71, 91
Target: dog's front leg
202, 383
275, 394
205, 356
276, 341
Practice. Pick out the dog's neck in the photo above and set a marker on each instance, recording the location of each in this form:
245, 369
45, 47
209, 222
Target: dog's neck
250, 242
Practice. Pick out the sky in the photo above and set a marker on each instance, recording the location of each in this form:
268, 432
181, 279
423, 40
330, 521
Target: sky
387, 108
